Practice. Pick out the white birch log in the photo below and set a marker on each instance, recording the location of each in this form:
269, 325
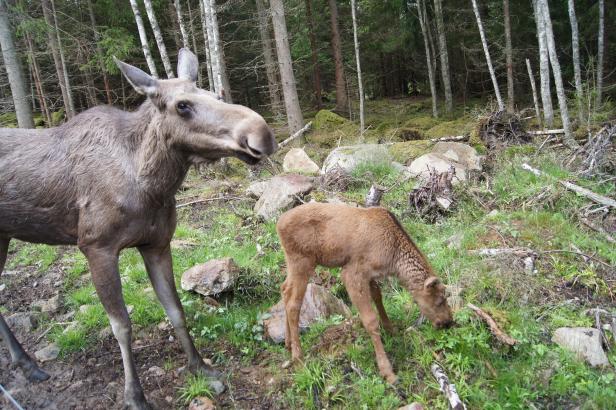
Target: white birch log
423, 23
600, 53
577, 73
360, 84
178, 11
484, 42
544, 68
216, 84
143, 38
600, 199
533, 87
158, 36
447, 387
206, 46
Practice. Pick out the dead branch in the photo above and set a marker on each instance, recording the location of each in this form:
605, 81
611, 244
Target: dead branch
547, 132
450, 138
496, 331
599, 229
599, 154
580, 254
521, 252
373, 198
435, 196
447, 387
600, 199
220, 198
500, 129
296, 135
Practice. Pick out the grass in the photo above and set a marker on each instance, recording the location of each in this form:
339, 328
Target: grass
529, 307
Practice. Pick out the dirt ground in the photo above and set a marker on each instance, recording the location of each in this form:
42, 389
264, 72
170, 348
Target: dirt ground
94, 379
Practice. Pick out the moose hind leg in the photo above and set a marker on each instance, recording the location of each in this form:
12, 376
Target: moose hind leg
19, 357
377, 298
106, 278
299, 271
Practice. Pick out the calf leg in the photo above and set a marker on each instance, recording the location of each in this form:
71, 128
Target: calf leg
359, 292
375, 292
19, 357
106, 278
159, 266
299, 271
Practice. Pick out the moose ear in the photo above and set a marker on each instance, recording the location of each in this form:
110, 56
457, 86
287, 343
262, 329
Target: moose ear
142, 82
431, 283
188, 65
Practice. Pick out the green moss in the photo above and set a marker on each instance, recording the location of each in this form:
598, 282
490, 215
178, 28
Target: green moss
39, 121
57, 117
460, 126
408, 134
405, 152
9, 120
423, 123
326, 119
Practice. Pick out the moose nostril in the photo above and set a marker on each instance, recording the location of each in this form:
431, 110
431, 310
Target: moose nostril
255, 151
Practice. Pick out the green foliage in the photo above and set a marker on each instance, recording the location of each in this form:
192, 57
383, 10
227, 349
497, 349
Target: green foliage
40, 255
195, 386
114, 42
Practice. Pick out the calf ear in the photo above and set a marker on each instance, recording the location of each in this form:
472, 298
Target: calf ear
431, 283
188, 65
142, 82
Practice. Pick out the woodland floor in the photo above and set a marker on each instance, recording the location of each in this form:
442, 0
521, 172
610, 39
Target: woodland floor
501, 210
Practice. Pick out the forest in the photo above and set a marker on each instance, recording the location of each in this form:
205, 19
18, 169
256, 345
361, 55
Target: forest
486, 128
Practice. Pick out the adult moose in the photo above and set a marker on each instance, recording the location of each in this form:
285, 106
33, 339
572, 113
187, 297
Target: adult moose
106, 180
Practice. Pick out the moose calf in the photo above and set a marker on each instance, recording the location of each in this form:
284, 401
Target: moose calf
368, 244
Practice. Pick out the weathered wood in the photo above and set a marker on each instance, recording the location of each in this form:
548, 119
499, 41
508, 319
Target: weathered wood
373, 198
557, 131
296, 135
599, 229
496, 331
600, 199
533, 87
521, 252
447, 387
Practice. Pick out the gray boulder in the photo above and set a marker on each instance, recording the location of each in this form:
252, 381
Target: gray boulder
296, 160
211, 278
444, 155
349, 157
281, 194
319, 303
585, 342
20, 322
48, 353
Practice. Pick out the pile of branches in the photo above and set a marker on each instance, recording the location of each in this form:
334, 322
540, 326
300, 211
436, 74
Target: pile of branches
501, 129
434, 198
599, 153
336, 180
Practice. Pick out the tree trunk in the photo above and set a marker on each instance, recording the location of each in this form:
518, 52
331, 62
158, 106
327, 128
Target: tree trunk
558, 80
268, 57
194, 41
423, 22
577, 73
71, 112
359, 80
486, 50
144, 38
208, 61
341, 93
99, 53
216, 84
442, 45
38, 83
508, 57
534, 89
601, 49
544, 68
178, 11
14, 71
314, 55
217, 52
159, 38
294, 112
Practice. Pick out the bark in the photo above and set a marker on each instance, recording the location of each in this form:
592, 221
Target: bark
38, 83
360, 84
558, 80
534, 89
194, 41
268, 57
442, 45
158, 35
374, 195
423, 22
448, 388
341, 93
486, 50
314, 54
289, 89
217, 52
508, 57
14, 71
208, 61
99, 53
178, 11
144, 38
577, 72
71, 112
544, 68
601, 49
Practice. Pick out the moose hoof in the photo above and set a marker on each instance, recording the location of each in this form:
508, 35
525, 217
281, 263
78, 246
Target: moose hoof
30, 370
135, 400
392, 379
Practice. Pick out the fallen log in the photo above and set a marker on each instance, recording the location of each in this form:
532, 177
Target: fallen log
296, 135
547, 132
447, 387
374, 196
599, 229
450, 138
496, 331
521, 252
600, 199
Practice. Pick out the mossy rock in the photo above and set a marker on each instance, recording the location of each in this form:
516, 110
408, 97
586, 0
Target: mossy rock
460, 126
474, 139
8, 120
326, 119
57, 117
421, 123
408, 134
405, 152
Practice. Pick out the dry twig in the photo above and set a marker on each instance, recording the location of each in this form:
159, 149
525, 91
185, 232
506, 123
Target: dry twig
496, 331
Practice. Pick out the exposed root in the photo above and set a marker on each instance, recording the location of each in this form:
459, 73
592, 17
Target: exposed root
434, 197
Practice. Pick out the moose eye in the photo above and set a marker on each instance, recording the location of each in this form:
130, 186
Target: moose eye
184, 109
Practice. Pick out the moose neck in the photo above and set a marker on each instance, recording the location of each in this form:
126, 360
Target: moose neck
412, 266
161, 169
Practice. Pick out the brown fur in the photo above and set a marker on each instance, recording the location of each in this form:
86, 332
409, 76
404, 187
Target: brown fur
369, 244
106, 180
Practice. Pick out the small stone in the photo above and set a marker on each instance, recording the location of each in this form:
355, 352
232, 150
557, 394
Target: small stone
585, 342
211, 278
256, 189
296, 160
281, 194
216, 386
84, 308
201, 403
168, 399
48, 353
164, 325
171, 339
492, 213
2, 287
286, 364
156, 371
48, 306
20, 322
130, 308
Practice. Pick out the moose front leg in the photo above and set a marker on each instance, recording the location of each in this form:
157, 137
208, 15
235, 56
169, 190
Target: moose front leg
377, 298
106, 278
160, 270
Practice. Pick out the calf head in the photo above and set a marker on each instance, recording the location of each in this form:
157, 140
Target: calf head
198, 122
433, 303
